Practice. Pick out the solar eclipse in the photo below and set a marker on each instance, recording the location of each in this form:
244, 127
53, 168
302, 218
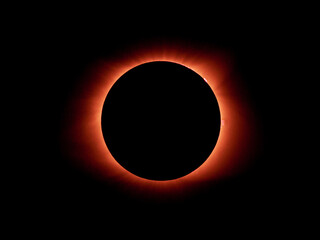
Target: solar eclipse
210, 136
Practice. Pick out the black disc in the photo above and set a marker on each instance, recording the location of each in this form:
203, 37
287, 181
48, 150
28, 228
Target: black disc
160, 120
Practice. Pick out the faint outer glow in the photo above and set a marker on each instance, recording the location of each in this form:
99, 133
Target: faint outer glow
83, 140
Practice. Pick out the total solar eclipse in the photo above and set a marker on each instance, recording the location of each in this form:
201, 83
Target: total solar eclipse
160, 120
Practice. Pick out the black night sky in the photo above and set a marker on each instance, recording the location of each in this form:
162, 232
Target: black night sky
68, 48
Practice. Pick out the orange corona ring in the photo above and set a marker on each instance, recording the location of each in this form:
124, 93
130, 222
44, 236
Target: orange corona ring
83, 139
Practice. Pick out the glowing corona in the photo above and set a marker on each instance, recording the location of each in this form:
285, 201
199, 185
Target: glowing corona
84, 144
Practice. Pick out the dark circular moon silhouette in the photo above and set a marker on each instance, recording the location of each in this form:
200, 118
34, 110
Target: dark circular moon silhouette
160, 120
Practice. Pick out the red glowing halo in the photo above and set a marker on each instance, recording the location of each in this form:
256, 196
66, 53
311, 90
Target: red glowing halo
83, 140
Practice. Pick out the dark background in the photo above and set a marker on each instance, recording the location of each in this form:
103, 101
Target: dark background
64, 50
